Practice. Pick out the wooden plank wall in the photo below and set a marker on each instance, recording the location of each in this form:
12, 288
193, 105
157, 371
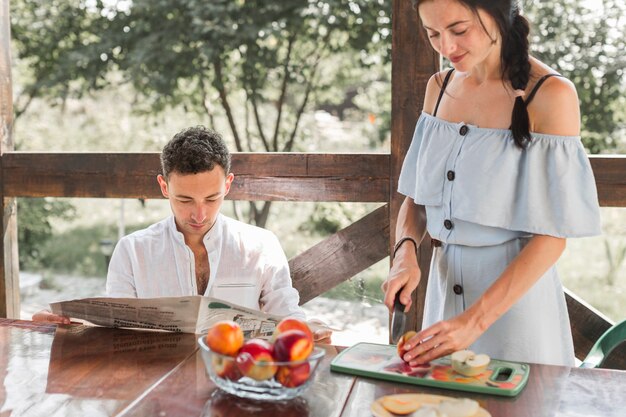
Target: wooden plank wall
413, 62
258, 176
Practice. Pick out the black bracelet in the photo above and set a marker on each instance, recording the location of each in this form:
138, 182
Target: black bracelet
400, 242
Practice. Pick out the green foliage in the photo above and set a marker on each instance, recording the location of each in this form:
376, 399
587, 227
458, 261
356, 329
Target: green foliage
614, 256
57, 39
77, 251
329, 218
587, 46
273, 54
34, 228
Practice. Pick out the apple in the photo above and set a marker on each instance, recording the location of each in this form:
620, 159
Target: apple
225, 337
468, 363
225, 367
400, 404
403, 339
256, 359
294, 375
290, 323
428, 410
292, 345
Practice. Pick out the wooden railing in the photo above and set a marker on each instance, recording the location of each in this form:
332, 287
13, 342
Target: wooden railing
280, 177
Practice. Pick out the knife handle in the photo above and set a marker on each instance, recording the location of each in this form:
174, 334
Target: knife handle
397, 304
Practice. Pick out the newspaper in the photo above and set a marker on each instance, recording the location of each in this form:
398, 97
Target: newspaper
190, 314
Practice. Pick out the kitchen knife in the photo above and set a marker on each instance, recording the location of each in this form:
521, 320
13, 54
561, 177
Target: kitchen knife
398, 319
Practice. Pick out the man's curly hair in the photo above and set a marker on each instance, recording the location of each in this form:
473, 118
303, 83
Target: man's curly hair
194, 150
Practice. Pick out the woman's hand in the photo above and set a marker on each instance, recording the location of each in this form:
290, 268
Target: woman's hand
404, 276
441, 339
48, 317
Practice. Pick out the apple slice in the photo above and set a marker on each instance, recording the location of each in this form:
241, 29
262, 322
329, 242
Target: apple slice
427, 411
459, 407
399, 405
468, 363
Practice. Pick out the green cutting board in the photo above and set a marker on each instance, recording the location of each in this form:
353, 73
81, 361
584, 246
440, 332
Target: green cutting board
382, 362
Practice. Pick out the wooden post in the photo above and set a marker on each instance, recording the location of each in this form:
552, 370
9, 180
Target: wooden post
413, 62
9, 265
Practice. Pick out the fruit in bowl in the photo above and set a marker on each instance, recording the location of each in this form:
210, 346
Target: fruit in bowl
225, 337
225, 367
292, 376
293, 345
290, 323
260, 369
256, 359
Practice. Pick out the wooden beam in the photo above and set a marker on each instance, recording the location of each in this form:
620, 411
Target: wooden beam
258, 176
275, 176
610, 174
587, 324
413, 62
9, 261
342, 255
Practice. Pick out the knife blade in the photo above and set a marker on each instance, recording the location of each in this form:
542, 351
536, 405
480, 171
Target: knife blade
398, 319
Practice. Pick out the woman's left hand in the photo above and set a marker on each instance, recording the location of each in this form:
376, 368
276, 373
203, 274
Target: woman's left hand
442, 338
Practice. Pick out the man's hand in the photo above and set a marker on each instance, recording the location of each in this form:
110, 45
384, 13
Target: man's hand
47, 317
321, 336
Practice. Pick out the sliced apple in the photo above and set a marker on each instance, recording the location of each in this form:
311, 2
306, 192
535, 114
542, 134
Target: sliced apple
427, 411
400, 405
459, 407
468, 363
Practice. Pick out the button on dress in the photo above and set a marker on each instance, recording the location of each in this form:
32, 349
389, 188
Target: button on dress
485, 198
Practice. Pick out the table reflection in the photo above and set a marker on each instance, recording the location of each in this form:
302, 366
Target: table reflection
222, 404
101, 362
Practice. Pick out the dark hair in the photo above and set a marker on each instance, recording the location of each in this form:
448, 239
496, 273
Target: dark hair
193, 150
514, 30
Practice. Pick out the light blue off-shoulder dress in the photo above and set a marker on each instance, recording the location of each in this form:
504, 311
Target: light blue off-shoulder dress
485, 198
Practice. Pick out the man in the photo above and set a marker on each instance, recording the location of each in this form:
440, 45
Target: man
197, 250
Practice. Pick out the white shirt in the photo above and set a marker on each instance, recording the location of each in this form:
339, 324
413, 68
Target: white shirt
248, 266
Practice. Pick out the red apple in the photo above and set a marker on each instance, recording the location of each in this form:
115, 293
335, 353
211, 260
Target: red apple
225, 337
293, 376
292, 345
225, 367
403, 339
290, 323
256, 359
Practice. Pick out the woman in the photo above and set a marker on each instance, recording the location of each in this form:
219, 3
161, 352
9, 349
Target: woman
497, 175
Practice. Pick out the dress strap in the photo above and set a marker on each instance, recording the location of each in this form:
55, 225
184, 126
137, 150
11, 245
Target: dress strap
443, 88
536, 87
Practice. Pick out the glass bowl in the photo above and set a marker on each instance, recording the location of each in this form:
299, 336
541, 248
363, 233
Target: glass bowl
289, 380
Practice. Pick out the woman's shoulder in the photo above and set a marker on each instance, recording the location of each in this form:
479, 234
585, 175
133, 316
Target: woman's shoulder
433, 88
554, 107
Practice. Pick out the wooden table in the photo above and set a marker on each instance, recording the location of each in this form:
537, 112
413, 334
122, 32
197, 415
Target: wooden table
87, 371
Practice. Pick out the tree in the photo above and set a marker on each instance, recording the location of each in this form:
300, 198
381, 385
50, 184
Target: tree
34, 228
587, 46
270, 55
